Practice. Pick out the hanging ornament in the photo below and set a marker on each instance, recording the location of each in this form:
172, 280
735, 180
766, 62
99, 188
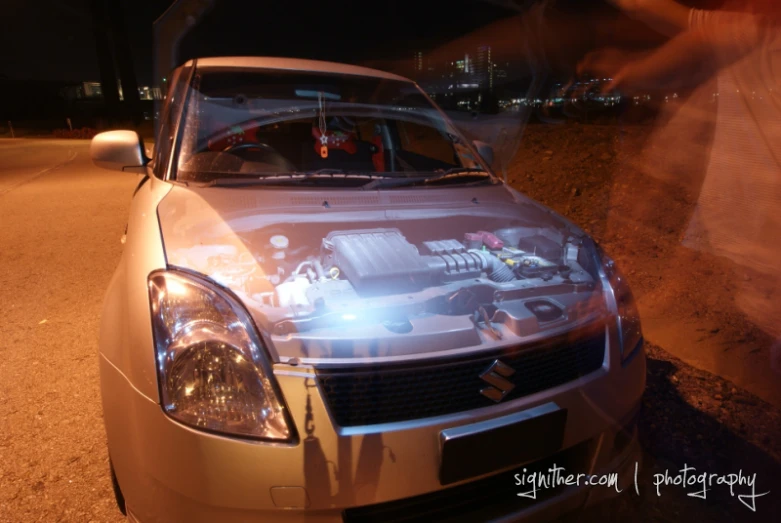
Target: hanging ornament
323, 127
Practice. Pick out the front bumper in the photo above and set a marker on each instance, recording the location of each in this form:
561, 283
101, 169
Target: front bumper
169, 472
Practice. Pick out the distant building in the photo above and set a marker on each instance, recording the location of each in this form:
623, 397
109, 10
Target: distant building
150, 93
484, 67
72, 92
92, 90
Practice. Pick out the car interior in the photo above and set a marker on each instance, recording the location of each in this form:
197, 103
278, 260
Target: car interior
354, 145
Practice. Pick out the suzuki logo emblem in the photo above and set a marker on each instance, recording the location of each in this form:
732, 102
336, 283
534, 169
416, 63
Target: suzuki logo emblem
496, 376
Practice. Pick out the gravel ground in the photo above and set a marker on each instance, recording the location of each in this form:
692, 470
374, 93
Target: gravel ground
60, 245
712, 401
693, 418
620, 184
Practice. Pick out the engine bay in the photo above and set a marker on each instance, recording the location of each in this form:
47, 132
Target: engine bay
381, 262
380, 276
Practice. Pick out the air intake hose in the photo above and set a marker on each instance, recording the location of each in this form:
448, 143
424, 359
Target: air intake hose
497, 270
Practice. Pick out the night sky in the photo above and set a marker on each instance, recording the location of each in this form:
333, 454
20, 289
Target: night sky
346, 30
53, 39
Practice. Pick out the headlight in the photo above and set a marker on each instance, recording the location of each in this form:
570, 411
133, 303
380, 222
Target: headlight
629, 330
212, 373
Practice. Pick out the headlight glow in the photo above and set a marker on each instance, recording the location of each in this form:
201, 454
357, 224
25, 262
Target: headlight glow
628, 317
211, 370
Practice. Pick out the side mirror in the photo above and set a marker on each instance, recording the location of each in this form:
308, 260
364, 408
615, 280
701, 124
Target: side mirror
119, 151
485, 151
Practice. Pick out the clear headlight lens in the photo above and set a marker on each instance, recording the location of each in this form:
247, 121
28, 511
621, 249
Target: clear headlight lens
211, 371
629, 329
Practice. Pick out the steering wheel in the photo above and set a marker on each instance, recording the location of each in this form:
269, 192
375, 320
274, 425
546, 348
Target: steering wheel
266, 150
250, 145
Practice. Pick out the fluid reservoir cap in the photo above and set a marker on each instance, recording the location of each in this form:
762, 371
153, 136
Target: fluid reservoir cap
279, 242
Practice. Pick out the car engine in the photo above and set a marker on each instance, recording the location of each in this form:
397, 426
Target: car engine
363, 264
381, 276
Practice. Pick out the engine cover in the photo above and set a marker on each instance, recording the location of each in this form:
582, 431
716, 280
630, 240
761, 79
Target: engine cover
451, 260
379, 261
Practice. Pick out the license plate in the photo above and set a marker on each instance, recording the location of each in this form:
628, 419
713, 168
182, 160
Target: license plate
481, 448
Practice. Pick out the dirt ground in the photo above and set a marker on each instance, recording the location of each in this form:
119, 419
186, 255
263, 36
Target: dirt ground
712, 400
598, 176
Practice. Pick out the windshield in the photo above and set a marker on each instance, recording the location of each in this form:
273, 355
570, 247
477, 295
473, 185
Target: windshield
264, 123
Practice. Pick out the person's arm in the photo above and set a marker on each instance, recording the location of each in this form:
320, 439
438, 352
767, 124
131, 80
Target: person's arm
685, 61
717, 39
666, 16
731, 35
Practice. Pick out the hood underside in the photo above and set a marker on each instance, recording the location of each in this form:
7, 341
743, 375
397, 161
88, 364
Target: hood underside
336, 277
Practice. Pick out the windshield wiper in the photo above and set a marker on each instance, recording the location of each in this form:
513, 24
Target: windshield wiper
326, 171
459, 170
292, 178
461, 176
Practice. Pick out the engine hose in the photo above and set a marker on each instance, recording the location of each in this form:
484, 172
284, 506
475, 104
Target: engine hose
297, 271
501, 273
497, 270
319, 270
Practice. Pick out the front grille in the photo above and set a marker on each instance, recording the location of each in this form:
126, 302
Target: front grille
386, 394
480, 500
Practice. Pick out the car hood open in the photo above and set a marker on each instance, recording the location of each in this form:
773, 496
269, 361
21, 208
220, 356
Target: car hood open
342, 276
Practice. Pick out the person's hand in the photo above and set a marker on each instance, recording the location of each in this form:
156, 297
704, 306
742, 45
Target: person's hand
606, 63
612, 63
620, 80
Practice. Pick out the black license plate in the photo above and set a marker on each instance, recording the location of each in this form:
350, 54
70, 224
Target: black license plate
481, 448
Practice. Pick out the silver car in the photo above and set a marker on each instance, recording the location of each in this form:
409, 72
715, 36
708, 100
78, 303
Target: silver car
330, 309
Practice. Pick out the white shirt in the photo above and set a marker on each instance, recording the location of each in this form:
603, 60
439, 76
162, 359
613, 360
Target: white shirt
739, 208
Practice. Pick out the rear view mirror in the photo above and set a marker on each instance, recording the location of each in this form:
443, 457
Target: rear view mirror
119, 151
485, 151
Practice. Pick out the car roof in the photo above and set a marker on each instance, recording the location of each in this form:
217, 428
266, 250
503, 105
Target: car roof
294, 64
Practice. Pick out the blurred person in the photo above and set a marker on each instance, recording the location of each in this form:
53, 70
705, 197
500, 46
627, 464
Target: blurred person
737, 214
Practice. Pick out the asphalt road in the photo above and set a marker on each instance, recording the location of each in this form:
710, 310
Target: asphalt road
61, 220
